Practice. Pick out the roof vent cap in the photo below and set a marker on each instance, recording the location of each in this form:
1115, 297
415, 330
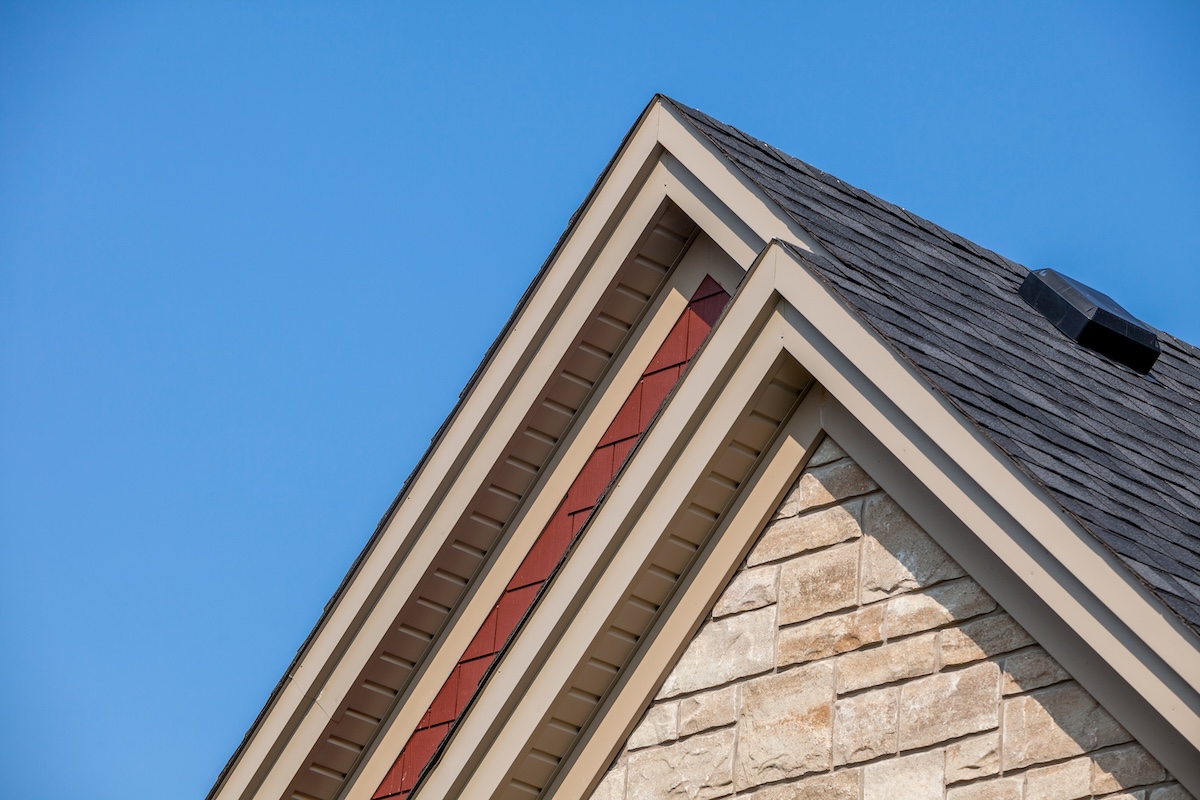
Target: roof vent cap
1091, 318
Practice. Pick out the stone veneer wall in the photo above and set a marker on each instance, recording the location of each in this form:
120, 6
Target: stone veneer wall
851, 657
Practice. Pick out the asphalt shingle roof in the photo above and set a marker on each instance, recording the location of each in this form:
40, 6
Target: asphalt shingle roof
1118, 450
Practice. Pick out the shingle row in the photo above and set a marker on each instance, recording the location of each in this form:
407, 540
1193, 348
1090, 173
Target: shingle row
1118, 450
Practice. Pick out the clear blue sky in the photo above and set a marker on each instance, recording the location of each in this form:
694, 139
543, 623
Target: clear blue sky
249, 257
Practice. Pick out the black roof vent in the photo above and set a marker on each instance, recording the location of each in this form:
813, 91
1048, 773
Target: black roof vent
1091, 318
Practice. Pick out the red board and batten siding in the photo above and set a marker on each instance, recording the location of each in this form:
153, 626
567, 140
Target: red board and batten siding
552, 544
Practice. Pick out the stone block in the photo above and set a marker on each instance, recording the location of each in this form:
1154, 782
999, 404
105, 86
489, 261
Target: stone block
785, 725
828, 450
1139, 794
997, 789
916, 777
702, 712
749, 589
1066, 781
830, 483
864, 726
699, 768
830, 636
982, 638
973, 758
906, 658
898, 556
725, 649
841, 785
949, 705
818, 583
933, 608
793, 535
1029, 670
612, 785
659, 724
1172, 792
1056, 723
1125, 768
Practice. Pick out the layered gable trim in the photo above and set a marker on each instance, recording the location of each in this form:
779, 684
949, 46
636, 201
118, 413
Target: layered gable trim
793, 358
877, 405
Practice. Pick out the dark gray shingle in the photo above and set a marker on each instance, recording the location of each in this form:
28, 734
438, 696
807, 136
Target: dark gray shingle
1119, 451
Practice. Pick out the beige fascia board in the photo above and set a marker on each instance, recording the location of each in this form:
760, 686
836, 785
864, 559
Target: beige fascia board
682, 617
1082, 582
661, 473
735, 190
519, 367
700, 260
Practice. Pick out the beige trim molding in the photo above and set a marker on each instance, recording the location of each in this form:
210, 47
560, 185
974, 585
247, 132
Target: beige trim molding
1057, 581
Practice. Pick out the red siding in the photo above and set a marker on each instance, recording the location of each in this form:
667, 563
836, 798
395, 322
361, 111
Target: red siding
552, 544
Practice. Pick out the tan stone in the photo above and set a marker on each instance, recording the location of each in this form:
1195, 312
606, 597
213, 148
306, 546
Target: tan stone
982, 638
659, 724
949, 705
898, 556
820, 486
1054, 723
818, 583
973, 758
702, 712
932, 608
612, 785
997, 789
828, 450
906, 658
840, 785
1125, 768
864, 726
1066, 781
785, 725
750, 589
698, 768
1172, 792
916, 777
793, 535
725, 649
829, 636
1029, 670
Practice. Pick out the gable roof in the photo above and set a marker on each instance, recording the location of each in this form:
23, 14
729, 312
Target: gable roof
858, 339
1118, 450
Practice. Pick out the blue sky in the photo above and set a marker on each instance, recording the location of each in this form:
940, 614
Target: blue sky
250, 255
